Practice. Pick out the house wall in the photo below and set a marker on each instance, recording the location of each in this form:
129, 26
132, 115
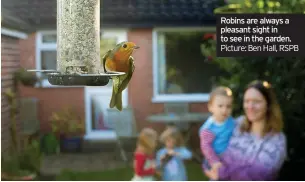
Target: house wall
50, 99
140, 90
10, 56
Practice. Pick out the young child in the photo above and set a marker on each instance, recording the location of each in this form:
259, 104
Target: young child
215, 133
170, 158
144, 161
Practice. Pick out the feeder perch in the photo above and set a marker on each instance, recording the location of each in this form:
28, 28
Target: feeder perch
78, 45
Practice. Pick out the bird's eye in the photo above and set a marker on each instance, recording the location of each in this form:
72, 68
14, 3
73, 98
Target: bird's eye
124, 45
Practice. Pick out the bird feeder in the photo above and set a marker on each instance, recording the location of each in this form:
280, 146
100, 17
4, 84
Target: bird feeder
78, 45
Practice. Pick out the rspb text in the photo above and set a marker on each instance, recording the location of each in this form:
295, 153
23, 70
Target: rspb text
260, 35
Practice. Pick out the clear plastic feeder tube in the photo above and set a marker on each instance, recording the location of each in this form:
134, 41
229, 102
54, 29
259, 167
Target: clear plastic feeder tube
78, 36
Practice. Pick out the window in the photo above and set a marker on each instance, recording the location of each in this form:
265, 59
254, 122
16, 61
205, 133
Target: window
49, 38
48, 60
46, 54
181, 71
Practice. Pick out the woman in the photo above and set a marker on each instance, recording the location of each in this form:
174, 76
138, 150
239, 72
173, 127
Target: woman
257, 149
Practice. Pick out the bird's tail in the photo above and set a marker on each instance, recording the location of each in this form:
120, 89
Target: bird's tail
113, 98
119, 104
116, 100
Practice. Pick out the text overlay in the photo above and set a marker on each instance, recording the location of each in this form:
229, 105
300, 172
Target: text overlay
260, 35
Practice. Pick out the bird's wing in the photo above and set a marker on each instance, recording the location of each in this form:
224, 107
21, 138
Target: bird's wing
133, 67
106, 55
125, 81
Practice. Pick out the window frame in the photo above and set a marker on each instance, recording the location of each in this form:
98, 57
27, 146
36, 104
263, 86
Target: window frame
162, 98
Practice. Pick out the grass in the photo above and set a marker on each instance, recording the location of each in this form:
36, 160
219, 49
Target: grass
123, 174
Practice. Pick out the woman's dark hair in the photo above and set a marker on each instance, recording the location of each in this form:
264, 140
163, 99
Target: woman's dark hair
274, 120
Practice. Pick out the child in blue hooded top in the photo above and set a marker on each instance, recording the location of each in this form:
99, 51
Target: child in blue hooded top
216, 132
171, 158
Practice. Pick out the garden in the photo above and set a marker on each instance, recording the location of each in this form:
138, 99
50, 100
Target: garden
286, 75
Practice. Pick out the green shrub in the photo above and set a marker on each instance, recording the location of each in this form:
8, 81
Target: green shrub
30, 158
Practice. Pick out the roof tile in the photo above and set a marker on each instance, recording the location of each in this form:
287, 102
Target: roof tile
40, 13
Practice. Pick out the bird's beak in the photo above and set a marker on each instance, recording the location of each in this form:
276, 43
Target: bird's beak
136, 47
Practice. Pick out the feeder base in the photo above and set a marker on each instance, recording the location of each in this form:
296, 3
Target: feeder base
57, 78
81, 79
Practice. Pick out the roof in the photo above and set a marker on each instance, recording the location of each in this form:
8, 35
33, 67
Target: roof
41, 14
11, 20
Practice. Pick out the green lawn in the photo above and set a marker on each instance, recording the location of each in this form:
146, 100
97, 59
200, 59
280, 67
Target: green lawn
123, 174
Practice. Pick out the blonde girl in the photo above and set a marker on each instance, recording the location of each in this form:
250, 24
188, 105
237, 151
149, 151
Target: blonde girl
171, 158
144, 160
